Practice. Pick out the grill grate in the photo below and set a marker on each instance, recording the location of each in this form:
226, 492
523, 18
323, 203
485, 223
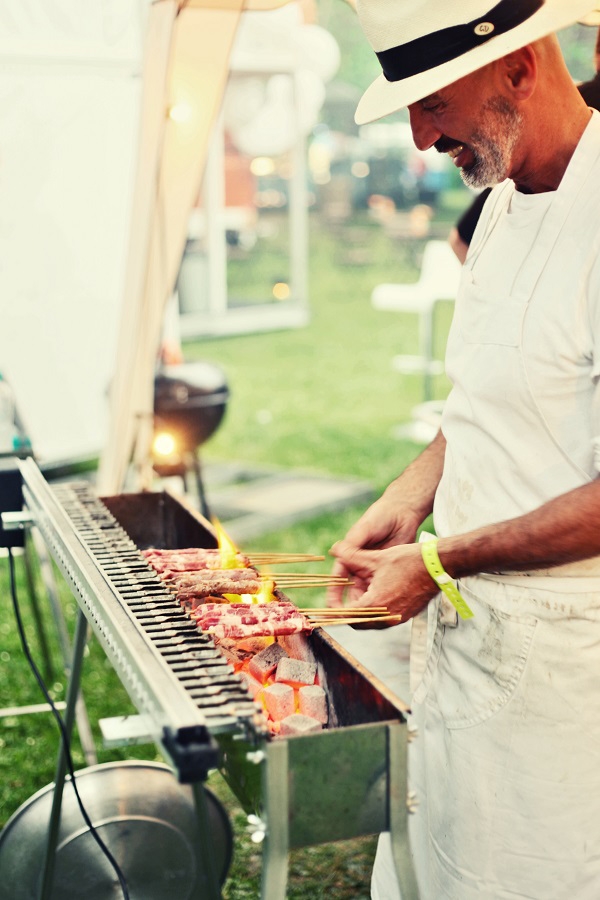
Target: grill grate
192, 656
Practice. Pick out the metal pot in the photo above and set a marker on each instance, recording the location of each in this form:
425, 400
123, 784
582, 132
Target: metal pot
145, 817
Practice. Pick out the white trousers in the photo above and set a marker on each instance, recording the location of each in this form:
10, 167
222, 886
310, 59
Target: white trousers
506, 763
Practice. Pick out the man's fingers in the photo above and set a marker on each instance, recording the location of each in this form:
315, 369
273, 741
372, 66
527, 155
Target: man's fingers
339, 569
355, 561
335, 594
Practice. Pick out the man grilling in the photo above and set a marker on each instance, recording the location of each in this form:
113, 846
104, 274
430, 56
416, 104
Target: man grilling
461, 234
506, 765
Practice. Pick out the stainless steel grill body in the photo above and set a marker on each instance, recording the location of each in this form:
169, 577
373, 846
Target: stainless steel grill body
346, 781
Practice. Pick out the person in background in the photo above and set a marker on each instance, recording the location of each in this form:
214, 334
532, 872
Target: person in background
590, 90
505, 662
461, 234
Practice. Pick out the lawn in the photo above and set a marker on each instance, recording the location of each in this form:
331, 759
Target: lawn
322, 399
325, 398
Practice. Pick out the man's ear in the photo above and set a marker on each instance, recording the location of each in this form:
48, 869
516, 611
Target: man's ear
518, 71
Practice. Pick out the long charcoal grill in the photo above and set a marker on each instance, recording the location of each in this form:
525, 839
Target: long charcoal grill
346, 781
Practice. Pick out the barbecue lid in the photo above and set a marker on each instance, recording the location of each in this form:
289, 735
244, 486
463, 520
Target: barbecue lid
197, 384
147, 820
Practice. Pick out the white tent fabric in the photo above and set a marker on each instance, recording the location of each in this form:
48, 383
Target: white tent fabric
69, 104
185, 70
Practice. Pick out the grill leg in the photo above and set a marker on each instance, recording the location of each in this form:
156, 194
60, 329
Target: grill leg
196, 468
83, 723
276, 844
212, 888
36, 610
398, 794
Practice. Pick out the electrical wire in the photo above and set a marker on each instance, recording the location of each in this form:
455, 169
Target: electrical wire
61, 727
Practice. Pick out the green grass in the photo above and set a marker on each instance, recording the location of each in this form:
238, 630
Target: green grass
323, 399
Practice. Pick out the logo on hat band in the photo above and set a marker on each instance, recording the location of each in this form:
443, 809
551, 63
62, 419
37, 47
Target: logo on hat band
442, 46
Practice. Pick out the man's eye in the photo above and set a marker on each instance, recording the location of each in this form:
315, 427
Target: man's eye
433, 107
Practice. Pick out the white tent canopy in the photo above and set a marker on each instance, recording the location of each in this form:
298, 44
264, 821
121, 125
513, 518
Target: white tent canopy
69, 101
102, 148
185, 70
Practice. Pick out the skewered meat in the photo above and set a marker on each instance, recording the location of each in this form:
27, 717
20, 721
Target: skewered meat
240, 620
221, 585
200, 580
192, 559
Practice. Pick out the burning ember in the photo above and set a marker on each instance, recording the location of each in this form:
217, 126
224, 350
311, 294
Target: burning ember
282, 677
259, 631
264, 642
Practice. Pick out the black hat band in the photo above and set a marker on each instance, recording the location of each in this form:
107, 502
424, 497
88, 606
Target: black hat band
440, 47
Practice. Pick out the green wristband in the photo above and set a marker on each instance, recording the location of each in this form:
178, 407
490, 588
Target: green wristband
442, 579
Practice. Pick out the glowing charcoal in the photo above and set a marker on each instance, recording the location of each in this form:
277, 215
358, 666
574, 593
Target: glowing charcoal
296, 671
299, 724
297, 646
231, 656
254, 686
265, 662
279, 700
312, 702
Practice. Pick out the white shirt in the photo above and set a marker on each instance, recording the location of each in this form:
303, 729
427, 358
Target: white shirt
522, 422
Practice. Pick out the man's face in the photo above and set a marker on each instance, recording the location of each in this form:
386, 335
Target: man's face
478, 134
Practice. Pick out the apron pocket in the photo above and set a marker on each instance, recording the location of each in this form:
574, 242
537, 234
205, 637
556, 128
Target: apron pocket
425, 642
480, 664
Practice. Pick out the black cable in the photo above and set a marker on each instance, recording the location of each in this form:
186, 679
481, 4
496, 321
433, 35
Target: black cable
62, 729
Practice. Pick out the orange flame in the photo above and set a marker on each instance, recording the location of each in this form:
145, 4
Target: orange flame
265, 595
229, 560
228, 549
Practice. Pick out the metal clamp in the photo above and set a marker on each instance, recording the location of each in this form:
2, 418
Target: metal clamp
17, 521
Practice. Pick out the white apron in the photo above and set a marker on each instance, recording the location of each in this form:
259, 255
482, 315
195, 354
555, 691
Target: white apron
506, 763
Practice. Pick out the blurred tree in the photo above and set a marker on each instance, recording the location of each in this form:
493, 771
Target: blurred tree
359, 65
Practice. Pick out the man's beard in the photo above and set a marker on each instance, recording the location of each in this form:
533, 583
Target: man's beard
492, 145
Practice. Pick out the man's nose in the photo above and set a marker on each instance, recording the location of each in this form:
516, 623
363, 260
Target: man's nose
425, 134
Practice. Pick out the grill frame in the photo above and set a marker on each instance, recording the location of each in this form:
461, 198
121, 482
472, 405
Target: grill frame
174, 721
366, 794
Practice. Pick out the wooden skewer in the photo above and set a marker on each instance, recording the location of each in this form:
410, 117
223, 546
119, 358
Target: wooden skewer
289, 579
320, 583
356, 621
299, 576
285, 557
343, 610
309, 584
283, 553
321, 616
334, 620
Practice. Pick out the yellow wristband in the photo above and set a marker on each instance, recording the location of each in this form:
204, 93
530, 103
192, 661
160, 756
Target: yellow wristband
442, 579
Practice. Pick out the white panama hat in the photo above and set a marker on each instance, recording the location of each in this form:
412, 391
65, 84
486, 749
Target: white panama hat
592, 18
424, 45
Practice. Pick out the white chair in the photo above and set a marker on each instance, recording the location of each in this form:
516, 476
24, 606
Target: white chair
440, 274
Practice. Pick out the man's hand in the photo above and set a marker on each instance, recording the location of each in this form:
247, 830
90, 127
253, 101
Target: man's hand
391, 521
394, 577
562, 531
385, 524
